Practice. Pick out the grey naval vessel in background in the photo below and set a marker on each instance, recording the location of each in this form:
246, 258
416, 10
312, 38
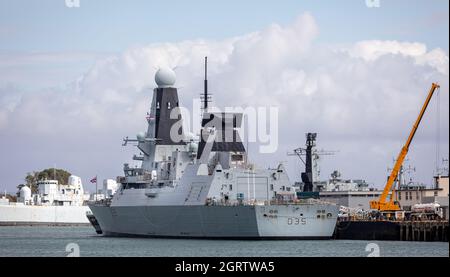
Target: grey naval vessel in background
204, 187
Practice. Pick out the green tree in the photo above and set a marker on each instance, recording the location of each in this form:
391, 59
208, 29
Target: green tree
31, 178
61, 175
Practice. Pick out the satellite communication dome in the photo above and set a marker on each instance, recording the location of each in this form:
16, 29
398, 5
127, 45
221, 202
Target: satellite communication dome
25, 193
75, 181
165, 77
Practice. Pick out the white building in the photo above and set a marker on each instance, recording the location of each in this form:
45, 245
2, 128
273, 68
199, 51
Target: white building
109, 187
410, 194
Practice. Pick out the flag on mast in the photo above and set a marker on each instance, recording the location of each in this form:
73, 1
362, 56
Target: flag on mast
94, 180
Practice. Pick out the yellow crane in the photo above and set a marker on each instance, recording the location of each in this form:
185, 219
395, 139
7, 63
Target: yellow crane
382, 204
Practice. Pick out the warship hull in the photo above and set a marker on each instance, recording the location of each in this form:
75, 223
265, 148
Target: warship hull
315, 221
14, 215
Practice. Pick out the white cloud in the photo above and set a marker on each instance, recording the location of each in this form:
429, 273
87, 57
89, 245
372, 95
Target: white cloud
360, 98
373, 49
436, 58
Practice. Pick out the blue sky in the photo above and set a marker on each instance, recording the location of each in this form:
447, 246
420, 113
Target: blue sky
113, 25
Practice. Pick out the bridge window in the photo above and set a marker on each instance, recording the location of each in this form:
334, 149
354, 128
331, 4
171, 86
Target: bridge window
135, 186
237, 157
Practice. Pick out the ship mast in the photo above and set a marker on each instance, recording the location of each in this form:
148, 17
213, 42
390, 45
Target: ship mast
311, 154
205, 93
205, 97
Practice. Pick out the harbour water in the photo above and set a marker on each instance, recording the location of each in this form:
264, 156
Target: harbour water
60, 241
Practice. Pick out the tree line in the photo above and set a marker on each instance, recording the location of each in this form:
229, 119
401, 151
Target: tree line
61, 175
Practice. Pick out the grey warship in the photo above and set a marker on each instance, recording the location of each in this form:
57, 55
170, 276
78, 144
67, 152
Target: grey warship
204, 187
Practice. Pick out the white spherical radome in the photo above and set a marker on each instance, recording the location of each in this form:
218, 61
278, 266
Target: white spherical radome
165, 77
25, 193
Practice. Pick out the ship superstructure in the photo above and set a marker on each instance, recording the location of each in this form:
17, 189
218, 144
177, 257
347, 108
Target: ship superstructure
204, 187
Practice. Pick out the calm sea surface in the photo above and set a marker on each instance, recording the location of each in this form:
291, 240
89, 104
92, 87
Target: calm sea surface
53, 241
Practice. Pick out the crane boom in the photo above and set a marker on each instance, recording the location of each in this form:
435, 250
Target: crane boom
382, 204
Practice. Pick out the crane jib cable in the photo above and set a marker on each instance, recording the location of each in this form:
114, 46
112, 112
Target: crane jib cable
438, 129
